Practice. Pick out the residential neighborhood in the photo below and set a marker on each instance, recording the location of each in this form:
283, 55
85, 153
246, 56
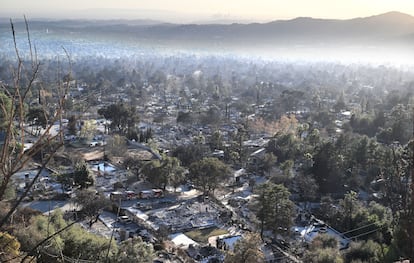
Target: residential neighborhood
111, 152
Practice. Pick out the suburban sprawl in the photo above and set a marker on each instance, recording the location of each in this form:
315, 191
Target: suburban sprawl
138, 155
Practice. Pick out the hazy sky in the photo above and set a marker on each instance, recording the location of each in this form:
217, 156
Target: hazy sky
195, 9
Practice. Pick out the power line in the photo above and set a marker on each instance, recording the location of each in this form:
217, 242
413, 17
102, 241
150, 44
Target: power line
355, 229
366, 233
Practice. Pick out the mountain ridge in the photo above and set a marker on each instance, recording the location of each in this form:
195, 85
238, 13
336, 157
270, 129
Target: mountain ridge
391, 15
387, 28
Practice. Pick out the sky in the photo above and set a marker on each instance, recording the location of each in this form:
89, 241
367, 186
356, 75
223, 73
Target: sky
193, 10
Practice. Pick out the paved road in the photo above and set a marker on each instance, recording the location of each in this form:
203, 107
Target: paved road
50, 205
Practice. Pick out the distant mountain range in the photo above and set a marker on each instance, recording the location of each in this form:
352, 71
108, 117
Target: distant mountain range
392, 26
389, 29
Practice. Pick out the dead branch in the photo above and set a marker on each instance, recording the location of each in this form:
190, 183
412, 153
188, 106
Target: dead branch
13, 158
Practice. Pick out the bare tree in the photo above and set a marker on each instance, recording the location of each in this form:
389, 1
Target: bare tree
13, 157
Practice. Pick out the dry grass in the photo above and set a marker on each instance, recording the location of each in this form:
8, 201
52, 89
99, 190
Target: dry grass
202, 235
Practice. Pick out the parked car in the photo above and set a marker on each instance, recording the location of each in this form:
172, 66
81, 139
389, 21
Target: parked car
124, 219
93, 144
130, 195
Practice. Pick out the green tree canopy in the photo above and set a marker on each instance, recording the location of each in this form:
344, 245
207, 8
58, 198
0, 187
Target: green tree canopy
5, 110
72, 125
82, 176
216, 140
38, 116
274, 210
166, 171
246, 250
284, 146
134, 250
307, 186
122, 117
328, 168
190, 153
74, 242
323, 249
91, 204
323, 255
364, 251
207, 173
366, 222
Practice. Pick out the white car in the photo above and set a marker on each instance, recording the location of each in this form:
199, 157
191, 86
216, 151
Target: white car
93, 144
